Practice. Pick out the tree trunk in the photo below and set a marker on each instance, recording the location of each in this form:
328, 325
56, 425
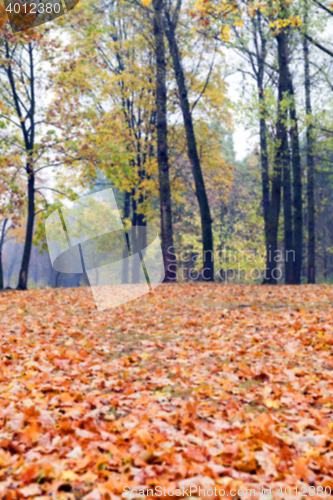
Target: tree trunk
141, 218
280, 162
261, 58
23, 276
297, 187
287, 219
264, 166
325, 255
58, 275
135, 232
311, 274
29, 140
282, 40
162, 144
206, 220
2, 240
126, 214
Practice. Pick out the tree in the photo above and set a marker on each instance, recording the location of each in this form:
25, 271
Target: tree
120, 101
118, 115
2, 240
263, 23
17, 65
293, 219
311, 271
205, 214
297, 243
23, 115
162, 140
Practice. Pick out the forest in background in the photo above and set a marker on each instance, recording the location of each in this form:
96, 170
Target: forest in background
133, 95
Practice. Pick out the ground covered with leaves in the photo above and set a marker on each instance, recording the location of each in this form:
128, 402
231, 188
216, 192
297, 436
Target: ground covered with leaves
197, 385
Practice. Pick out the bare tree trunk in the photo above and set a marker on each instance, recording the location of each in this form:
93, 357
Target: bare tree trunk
126, 214
282, 40
2, 240
261, 58
311, 272
58, 275
287, 219
264, 166
280, 162
23, 276
142, 219
135, 231
29, 138
162, 143
206, 220
297, 187
325, 254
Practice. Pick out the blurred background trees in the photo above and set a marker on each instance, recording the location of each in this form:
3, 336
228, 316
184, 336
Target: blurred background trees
134, 95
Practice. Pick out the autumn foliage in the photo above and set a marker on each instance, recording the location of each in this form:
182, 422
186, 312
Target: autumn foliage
197, 384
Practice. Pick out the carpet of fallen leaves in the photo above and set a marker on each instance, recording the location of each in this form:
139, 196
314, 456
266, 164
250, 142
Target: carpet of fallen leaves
203, 384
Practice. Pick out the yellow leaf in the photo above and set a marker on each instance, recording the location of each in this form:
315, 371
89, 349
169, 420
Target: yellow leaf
69, 475
266, 390
270, 403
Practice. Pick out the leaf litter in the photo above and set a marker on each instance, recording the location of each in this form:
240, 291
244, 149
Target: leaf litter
182, 387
